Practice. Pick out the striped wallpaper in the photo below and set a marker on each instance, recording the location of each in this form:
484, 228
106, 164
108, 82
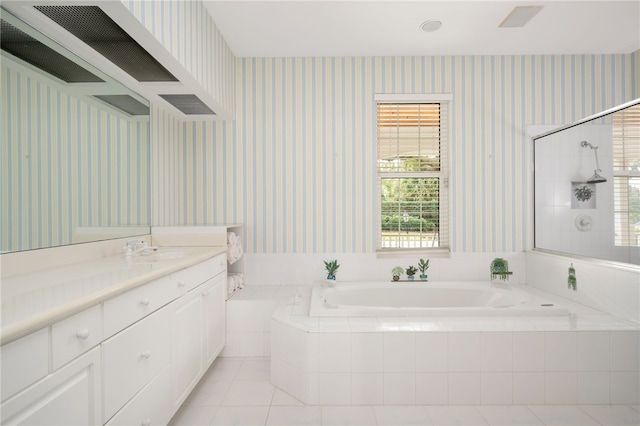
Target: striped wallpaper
188, 32
297, 164
66, 163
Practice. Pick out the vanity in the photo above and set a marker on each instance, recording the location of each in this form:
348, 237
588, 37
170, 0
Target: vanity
109, 340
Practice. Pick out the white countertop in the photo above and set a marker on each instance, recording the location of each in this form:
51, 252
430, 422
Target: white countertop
32, 301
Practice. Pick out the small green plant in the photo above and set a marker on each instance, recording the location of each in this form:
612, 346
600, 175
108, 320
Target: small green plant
411, 271
500, 269
423, 265
396, 272
331, 268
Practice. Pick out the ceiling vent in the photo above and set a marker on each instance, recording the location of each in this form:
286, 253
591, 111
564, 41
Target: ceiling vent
188, 104
91, 25
125, 103
23, 46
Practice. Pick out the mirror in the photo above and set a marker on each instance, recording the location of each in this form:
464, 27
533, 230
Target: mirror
75, 147
587, 187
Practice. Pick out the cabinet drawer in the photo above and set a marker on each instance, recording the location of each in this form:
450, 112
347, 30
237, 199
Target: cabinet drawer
133, 357
127, 308
75, 335
195, 275
24, 361
152, 406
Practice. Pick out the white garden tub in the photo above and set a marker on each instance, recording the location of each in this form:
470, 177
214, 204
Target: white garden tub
384, 299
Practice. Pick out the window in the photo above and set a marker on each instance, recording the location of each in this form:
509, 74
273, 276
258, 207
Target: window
626, 176
412, 164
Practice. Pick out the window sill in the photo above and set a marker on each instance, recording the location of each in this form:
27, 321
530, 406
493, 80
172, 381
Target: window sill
424, 252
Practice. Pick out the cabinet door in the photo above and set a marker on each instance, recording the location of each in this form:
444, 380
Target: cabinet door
186, 344
70, 396
213, 297
133, 357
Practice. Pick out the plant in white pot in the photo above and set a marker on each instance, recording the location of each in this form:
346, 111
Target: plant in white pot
423, 266
331, 267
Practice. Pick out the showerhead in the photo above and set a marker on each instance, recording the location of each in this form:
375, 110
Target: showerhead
596, 178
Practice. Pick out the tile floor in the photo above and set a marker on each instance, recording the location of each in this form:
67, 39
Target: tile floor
237, 391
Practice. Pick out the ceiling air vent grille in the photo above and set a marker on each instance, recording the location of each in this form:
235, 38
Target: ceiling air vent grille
91, 25
188, 104
23, 46
125, 103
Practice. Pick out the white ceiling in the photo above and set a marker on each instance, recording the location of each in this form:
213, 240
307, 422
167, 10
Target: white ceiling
391, 28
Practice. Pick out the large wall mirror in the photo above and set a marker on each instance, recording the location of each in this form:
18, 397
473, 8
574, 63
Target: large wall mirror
587, 187
75, 147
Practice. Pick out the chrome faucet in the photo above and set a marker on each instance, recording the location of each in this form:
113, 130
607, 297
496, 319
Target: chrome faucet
135, 247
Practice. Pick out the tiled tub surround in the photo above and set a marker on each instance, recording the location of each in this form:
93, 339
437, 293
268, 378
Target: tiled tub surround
587, 357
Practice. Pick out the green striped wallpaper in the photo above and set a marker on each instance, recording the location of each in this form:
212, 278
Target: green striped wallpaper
297, 164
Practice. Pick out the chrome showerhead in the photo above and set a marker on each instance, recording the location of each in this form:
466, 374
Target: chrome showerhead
596, 178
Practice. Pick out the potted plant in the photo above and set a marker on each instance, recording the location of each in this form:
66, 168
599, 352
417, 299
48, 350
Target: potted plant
411, 271
397, 271
423, 266
500, 269
331, 267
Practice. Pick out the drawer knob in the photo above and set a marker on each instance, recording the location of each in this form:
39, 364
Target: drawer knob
146, 422
144, 302
181, 284
145, 354
83, 334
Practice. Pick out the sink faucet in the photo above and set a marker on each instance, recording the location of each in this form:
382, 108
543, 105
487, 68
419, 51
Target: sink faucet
134, 247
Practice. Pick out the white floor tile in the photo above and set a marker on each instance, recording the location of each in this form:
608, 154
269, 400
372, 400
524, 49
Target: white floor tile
190, 415
295, 416
258, 368
224, 368
455, 415
249, 392
613, 415
556, 415
283, 398
245, 416
353, 415
509, 415
401, 416
208, 392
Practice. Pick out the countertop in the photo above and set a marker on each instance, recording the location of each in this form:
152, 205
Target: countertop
35, 300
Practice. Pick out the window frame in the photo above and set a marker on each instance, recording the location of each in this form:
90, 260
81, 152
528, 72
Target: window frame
443, 175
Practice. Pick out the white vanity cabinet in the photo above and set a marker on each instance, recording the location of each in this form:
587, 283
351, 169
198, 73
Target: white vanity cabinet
129, 359
69, 396
197, 335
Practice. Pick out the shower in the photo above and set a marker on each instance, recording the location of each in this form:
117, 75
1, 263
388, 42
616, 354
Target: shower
596, 178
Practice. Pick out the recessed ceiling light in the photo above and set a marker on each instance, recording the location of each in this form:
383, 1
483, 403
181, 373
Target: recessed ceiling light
430, 26
519, 16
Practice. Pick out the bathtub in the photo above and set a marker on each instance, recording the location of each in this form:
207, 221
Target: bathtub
386, 299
